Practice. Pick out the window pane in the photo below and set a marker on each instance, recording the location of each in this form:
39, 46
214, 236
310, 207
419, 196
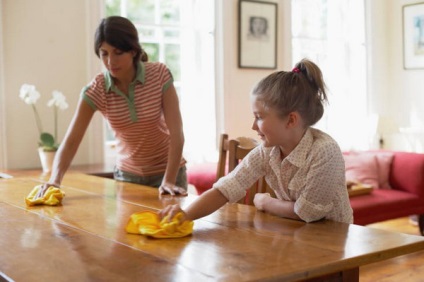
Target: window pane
171, 34
152, 49
141, 11
113, 7
308, 48
310, 18
172, 60
170, 12
331, 33
145, 34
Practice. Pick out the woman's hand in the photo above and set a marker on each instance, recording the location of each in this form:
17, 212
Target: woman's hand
43, 189
168, 188
171, 211
260, 200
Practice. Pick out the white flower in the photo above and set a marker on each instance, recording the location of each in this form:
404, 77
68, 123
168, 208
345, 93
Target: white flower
58, 100
29, 94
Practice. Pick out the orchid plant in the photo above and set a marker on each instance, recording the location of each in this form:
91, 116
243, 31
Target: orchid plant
30, 95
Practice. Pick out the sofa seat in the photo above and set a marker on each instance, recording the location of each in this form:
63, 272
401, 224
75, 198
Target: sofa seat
384, 204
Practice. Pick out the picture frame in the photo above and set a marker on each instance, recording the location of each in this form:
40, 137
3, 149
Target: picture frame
413, 36
257, 34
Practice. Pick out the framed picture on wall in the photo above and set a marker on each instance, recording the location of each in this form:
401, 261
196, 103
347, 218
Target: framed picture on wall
413, 36
257, 34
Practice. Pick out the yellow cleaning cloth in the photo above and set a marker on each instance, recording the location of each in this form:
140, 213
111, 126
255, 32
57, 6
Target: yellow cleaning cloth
148, 223
52, 197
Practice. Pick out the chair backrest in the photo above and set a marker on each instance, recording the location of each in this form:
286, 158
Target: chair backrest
223, 156
236, 150
226, 164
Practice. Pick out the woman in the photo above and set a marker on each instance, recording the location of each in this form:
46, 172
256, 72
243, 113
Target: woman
139, 101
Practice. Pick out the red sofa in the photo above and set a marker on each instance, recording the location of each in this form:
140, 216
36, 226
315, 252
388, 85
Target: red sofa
405, 198
202, 176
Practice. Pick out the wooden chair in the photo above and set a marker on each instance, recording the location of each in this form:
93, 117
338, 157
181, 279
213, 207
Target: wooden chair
222, 167
231, 152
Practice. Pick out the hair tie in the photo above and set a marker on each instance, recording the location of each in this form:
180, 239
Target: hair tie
296, 70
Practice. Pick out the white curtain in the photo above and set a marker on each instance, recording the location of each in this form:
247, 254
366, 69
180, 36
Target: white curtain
197, 97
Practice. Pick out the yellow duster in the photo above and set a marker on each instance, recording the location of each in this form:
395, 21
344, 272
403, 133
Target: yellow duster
148, 223
52, 197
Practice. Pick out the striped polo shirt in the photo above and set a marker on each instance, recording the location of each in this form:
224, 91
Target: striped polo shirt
137, 119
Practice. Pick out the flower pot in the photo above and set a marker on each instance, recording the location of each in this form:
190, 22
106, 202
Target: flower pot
46, 158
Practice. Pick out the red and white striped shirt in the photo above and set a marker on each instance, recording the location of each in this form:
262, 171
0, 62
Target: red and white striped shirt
137, 119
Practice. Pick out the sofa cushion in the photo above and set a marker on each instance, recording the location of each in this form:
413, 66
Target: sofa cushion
362, 168
384, 161
370, 167
407, 173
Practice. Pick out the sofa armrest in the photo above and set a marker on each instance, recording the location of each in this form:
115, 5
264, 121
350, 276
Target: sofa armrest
407, 172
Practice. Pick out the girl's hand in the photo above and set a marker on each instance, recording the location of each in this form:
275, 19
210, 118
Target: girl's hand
168, 188
260, 200
171, 211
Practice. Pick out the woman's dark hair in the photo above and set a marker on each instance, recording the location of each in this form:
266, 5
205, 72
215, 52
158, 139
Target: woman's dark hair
301, 90
121, 34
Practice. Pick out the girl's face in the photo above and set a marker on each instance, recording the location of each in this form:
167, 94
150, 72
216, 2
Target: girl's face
117, 62
271, 128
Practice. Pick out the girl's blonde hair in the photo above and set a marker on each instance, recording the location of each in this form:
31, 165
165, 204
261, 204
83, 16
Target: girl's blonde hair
301, 90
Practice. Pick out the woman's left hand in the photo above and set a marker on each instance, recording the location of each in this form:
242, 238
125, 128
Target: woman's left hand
167, 188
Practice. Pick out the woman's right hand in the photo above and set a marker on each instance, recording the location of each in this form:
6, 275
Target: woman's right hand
171, 211
43, 189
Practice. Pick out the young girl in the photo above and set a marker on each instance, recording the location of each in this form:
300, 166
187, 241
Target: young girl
139, 101
303, 165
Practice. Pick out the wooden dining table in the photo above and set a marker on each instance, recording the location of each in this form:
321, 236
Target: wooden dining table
84, 239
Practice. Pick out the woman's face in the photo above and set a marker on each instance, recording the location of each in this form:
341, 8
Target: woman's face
117, 62
270, 127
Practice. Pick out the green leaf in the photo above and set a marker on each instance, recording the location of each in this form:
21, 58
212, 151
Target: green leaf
46, 140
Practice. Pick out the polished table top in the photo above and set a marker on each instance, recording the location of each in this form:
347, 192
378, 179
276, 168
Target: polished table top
85, 239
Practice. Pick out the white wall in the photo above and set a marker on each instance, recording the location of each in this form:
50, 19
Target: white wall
2, 100
45, 44
237, 82
398, 94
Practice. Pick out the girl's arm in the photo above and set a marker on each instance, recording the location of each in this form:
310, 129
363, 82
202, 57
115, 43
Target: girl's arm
173, 120
281, 208
206, 204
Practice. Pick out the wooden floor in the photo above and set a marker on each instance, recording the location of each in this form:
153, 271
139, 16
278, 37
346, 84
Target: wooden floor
408, 268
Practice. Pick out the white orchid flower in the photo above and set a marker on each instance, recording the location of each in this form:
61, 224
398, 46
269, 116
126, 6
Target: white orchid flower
58, 100
29, 94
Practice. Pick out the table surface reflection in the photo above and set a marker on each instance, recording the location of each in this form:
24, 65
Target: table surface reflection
84, 239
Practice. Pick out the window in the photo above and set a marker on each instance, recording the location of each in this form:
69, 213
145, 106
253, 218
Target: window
332, 34
179, 33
